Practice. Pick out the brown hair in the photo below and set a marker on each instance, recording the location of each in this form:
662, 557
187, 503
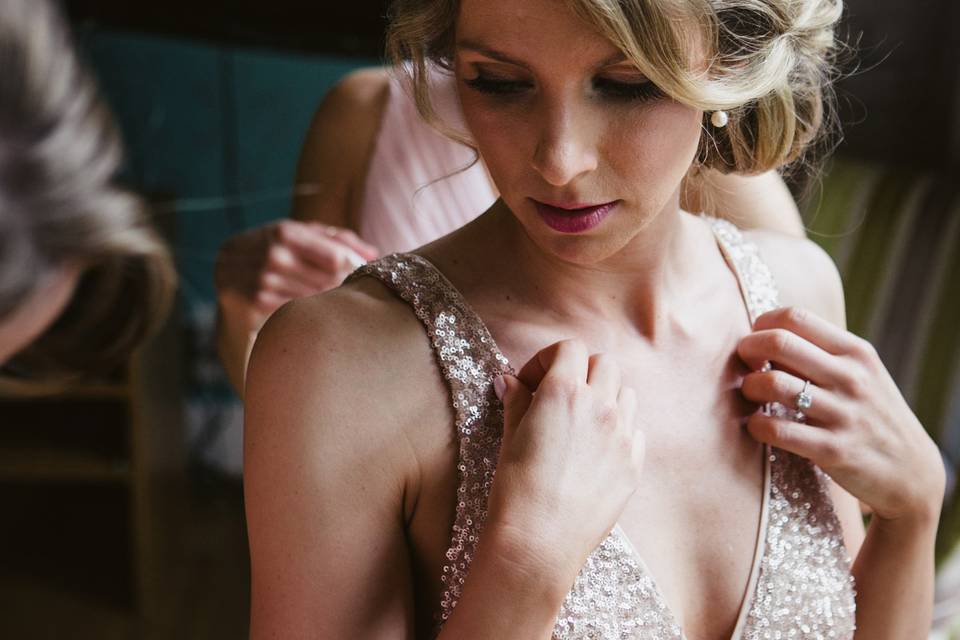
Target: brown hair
60, 204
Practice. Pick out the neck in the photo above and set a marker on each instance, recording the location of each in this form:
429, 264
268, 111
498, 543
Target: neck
649, 286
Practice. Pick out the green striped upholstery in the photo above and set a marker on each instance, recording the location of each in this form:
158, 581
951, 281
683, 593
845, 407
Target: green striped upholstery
895, 237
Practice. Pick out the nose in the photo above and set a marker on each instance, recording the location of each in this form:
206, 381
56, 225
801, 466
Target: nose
565, 149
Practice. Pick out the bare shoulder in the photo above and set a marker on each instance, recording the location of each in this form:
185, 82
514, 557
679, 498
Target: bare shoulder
805, 274
337, 349
339, 143
357, 98
330, 471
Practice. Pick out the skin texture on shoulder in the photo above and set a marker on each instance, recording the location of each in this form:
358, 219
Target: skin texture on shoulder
327, 430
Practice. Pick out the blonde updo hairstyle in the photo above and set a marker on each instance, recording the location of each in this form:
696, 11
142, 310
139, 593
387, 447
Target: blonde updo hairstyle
769, 64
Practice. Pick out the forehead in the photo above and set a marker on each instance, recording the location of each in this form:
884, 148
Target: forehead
534, 31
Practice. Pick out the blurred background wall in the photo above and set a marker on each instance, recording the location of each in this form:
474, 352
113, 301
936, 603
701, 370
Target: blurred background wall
214, 97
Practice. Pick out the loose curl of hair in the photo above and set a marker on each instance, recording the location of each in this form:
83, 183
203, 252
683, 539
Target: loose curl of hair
769, 63
60, 205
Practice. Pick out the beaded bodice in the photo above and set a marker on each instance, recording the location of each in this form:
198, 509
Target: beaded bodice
800, 585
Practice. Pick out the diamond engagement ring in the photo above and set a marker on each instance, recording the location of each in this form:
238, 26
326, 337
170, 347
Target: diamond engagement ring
804, 399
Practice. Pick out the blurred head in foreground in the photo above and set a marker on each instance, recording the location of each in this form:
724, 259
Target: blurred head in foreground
83, 276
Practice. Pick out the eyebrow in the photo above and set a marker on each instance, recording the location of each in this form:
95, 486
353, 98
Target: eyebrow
489, 52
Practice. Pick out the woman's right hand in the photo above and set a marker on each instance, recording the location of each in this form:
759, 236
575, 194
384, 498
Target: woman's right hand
571, 455
261, 269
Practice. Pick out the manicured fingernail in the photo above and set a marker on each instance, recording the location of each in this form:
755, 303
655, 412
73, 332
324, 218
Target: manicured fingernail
499, 386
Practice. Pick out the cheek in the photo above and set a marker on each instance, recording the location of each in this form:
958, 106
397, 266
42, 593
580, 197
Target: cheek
499, 133
655, 149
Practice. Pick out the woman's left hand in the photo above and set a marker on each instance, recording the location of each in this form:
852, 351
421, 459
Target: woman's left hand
858, 429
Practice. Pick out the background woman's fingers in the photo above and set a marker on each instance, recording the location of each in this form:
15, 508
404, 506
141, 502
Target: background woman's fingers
782, 387
313, 246
790, 352
809, 326
267, 302
349, 238
286, 262
804, 440
283, 285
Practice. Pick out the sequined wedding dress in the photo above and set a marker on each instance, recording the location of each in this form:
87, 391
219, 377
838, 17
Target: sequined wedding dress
800, 585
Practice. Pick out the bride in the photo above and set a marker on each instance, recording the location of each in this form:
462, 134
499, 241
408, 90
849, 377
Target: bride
680, 426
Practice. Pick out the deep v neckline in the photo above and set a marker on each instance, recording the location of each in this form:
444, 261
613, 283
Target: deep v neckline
747, 603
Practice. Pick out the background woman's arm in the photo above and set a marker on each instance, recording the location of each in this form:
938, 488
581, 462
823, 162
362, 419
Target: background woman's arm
260, 269
750, 202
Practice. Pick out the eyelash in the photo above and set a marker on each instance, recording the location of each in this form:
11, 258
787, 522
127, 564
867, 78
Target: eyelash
626, 91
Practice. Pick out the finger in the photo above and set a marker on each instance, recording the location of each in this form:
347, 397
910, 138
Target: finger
807, 441
810, 326
603, 372
347, 236
284, 286
779, 386
311, 245
566, 359
793, 353
627, 406
267, 302
283, 261
516, 400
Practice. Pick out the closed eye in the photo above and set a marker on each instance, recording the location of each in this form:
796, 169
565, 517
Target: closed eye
627, 90
613, 89
494, 86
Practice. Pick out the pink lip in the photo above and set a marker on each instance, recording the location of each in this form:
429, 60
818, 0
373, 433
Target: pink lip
573, 218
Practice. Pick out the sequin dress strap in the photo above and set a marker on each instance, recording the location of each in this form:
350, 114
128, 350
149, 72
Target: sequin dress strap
469, 359
804, 588
756, 281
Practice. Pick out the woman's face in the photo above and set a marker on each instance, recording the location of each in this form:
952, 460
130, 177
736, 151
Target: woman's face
584, 149
37, 312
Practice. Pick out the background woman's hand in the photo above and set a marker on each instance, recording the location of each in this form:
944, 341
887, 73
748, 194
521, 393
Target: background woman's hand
571, 455
859, 429
260, 270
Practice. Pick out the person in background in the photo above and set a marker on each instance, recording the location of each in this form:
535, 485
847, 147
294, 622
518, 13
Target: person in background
84, 278
374, 178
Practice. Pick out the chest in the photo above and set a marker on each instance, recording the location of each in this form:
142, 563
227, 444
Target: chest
694, 520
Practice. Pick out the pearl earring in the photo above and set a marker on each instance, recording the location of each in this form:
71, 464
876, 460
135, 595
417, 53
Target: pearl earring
719, 119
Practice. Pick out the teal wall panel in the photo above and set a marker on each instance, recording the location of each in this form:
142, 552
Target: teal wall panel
275, 97
215, 129
215, 132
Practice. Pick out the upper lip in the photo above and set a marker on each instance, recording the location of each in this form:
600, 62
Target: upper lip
572, 205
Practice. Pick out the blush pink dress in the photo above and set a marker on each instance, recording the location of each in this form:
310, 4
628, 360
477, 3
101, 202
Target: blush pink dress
420, 184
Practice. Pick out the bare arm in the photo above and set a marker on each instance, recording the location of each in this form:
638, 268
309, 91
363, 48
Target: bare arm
260, 269
324, 482
879, 453
750, 202
337, 148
